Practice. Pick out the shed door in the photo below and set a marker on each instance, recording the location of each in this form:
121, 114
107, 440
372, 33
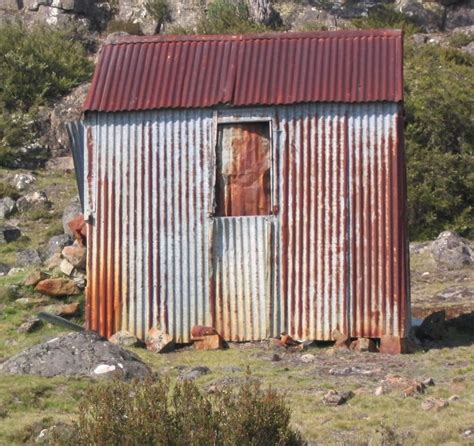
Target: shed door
242, 231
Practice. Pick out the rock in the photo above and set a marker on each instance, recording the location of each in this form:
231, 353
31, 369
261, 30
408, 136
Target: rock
14, 271
413, 389
56, 244
83, 354
342, 341
9, 233
432, 327
434, 404
158, 341
75, 255
54, 261
335, 398
7, 207
125, 339
34, 277
71, 211
456, 293
21, 181
33, 201
79, 279
194, 373
27, 257
66, 268
79, 230
452, 251
468, 432
199, 330
364, 345
307, 358
4, 269
428, 16
460, 16
209, 342
67, 109
30, 325
31, 301
57, 287
428, 382
379, 391
276, 358
62, 163
63, 310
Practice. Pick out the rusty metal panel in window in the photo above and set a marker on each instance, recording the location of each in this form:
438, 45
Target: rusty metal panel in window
243, 170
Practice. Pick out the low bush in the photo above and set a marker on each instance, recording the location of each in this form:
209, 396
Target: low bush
125, 26
160, 11
155, 413
228, 17
386, 16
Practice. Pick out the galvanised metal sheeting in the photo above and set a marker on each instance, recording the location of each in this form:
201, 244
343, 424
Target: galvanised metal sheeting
335, 246
242, 277
148, 244
166, 71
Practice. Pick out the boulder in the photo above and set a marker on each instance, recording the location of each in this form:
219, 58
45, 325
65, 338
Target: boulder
57, 287
200, 330
30, 325
428, 16
63, 310
4, 269
56, 244
71, 211
76, 255
7, 207
452, 251
125, 339
433, 327
27, 257
194, 373
460, 16
31, 301
34, 277
158, 341
394, 345
209, 342
61, 164
21, 181
33, 201
307, 358
9, 233
83, 354
434, 404
335, 398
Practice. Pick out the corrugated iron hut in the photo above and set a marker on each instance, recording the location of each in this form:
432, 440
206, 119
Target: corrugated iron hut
252, 183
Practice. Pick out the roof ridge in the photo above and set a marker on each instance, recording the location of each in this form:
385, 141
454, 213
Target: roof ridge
163, 38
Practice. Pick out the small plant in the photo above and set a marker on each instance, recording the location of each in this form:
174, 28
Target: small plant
156, 413
160, 11
228, 17
458, 40
7, 190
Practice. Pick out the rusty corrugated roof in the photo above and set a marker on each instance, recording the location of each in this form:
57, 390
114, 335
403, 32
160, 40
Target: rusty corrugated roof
156, 72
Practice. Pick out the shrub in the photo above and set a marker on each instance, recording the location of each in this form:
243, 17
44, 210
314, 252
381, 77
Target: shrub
461, 39
386, 16
439, 140
228, 17
36, 67
153, 413
160, 11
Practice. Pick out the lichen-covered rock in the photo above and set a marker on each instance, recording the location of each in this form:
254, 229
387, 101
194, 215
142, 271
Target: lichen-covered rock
75, 255
83, 354
27, 257
37, 200
7, 207
56, 245
71, 211
9, 233
57, 287
452, 251
21, 181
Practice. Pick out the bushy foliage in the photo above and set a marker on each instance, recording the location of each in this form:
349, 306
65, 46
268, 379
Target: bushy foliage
386, 16
439, 100
160, 11
228, 17
36, 67
155, 413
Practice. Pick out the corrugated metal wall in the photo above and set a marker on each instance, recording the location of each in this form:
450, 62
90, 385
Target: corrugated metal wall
338, 246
